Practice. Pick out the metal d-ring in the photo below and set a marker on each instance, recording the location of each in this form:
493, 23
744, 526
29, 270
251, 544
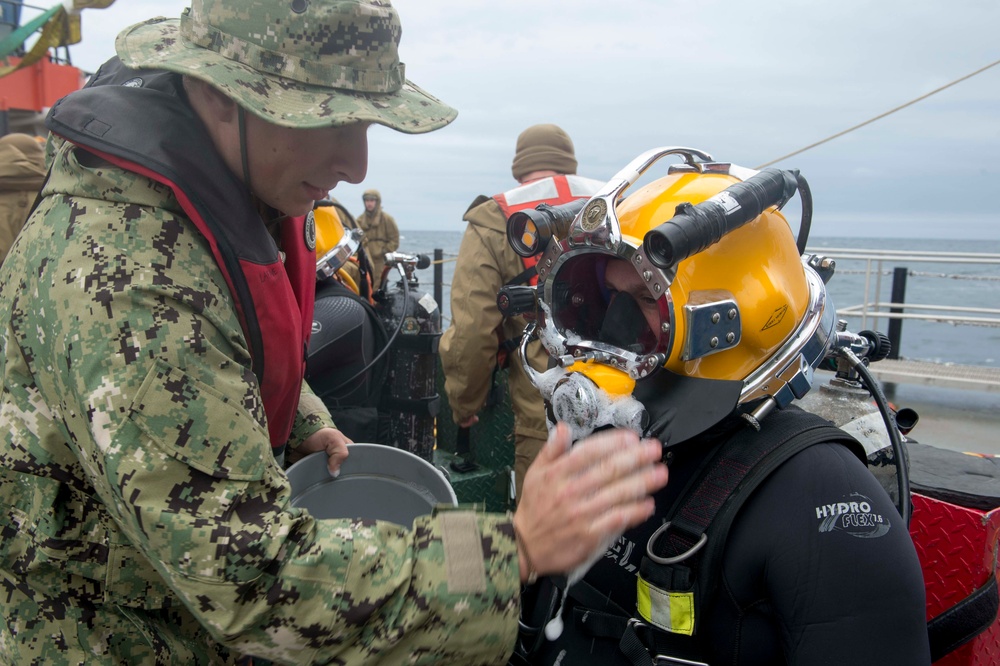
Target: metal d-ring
676, 558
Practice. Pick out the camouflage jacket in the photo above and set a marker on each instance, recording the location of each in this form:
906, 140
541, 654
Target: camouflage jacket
144, 519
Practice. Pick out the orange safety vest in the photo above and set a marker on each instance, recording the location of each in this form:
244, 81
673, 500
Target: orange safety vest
553, 190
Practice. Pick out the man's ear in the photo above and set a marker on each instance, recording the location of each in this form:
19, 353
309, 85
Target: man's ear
209, 102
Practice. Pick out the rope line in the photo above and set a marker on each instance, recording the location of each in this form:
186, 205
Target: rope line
880, 116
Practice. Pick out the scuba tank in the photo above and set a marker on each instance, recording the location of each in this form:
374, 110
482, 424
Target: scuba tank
409, 401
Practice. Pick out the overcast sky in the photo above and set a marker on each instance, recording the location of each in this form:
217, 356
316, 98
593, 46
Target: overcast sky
745, 81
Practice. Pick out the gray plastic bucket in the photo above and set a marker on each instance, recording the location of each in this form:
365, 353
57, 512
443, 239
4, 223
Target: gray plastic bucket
376, 482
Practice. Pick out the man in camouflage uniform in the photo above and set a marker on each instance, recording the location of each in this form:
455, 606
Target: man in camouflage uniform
544, 165
381, 233
151, 359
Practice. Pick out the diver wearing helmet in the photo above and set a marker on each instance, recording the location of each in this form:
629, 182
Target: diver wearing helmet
704, 340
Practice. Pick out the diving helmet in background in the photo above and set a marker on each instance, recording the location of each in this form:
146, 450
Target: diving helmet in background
675, 306
344, 366
339, 253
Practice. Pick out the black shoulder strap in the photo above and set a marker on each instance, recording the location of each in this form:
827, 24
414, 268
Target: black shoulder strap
965, 620
523, 276
699, 522
694, 538
738, 467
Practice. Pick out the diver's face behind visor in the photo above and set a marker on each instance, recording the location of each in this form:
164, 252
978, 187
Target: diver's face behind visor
600, 298
627, 292
671, 350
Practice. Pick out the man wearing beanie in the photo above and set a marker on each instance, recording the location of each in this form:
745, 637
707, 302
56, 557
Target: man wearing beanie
479, 340
22, 172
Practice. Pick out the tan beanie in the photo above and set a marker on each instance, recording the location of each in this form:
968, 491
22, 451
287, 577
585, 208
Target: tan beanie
543, 148
27, 144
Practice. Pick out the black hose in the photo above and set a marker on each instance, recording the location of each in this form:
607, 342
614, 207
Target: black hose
902, 474
805, 224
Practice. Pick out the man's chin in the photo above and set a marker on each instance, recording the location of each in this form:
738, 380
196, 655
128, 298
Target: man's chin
298, 210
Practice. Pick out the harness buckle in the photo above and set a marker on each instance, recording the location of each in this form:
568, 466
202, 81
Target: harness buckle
636, 624
676, 558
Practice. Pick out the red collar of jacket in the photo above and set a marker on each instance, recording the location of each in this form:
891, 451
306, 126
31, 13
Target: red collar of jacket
274, 298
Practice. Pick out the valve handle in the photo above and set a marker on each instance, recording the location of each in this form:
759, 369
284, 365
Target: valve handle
513, 300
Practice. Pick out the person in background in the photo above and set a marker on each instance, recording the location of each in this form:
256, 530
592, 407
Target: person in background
381, 233
22, 172
155, 311
479, 340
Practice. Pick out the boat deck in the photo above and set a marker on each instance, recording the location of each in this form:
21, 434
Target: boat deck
944, 375
959, 405
951, 418
958, 409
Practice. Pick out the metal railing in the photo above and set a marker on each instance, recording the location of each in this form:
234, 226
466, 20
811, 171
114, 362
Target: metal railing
872, 307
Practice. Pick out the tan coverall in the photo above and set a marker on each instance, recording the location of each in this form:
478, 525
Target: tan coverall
22, 172
381, 235
469, 346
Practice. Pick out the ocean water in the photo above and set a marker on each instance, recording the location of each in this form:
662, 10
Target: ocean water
959, 284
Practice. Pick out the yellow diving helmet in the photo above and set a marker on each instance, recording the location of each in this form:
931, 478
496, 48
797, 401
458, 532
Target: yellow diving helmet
670, 308
335, 244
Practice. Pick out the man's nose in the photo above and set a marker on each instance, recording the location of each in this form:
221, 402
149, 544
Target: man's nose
350, 156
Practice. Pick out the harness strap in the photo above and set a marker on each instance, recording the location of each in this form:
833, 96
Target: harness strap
691, 544
675, 592
704, 512
526, 275
600, 617
743, 462
965, 620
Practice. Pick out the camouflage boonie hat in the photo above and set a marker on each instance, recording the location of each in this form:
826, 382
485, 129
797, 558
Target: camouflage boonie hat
295, 63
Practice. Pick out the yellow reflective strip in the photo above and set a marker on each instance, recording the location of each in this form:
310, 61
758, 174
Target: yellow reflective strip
670, 611
642, 602
682, 612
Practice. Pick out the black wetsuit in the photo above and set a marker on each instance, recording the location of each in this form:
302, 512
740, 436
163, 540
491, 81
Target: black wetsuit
809, 576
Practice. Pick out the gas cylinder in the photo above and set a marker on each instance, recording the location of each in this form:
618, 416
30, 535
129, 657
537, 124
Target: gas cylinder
409, 402
850, 407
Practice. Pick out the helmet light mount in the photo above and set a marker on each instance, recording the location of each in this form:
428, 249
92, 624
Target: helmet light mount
694, 227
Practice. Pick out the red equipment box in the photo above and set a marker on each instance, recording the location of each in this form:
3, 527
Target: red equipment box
958, 550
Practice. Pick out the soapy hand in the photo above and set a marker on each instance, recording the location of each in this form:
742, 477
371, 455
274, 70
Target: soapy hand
578, 500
